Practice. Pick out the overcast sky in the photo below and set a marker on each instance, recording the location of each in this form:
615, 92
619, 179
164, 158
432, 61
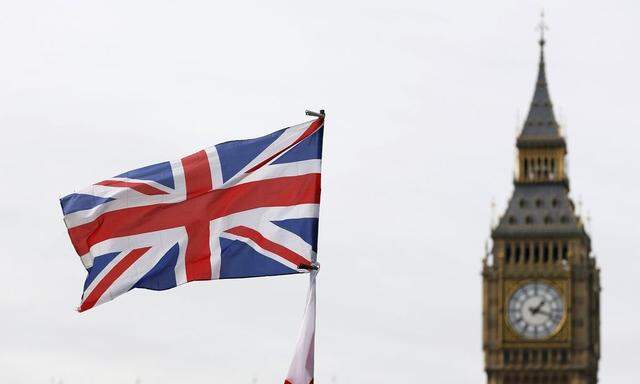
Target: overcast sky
423, 101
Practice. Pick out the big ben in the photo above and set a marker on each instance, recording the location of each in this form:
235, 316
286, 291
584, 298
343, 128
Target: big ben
541, 288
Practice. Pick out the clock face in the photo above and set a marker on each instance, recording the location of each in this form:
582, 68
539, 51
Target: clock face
535, 310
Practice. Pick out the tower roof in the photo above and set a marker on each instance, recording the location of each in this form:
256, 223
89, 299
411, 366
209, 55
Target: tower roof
540, 210
540, 207
541, 127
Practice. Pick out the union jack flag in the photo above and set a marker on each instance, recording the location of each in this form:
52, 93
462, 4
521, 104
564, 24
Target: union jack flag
243, 208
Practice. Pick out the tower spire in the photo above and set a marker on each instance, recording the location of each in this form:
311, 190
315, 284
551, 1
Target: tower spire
542, 26
540, 127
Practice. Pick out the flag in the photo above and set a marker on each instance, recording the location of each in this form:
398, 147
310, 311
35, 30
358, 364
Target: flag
243, 208
301, 369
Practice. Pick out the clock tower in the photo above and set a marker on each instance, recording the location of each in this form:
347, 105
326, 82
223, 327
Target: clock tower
541, 288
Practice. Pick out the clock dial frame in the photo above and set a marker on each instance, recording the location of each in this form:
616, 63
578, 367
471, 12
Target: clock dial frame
536, 310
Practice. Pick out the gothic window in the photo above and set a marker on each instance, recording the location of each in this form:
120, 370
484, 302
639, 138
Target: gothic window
545, 253
532, 168
563, 357
539, 167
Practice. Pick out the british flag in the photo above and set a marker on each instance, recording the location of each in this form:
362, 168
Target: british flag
242, 208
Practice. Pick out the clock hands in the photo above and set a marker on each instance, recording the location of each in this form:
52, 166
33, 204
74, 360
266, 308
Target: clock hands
535, 314
548, 314
536, 309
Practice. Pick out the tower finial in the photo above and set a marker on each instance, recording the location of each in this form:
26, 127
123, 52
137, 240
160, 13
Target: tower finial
542, 26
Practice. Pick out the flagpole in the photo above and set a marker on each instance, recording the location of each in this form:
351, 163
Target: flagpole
315, 267
315, 114
301, 370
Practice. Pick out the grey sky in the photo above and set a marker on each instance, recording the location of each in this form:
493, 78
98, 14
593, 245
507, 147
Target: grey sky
423, 101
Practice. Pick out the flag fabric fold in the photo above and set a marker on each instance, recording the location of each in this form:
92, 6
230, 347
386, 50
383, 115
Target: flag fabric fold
301, 369
243, 208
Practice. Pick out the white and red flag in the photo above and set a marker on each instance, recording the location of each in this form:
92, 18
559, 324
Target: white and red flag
243, 208
301, 369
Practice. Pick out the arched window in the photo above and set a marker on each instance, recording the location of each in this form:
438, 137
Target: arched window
555, 252
539, 167
565, 252
545, 253
517, 255
507, 253
536, 253
563, 357
526, 253
526, 167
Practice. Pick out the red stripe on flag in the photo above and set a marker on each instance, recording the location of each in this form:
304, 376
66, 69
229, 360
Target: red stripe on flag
197, 174
269, 245
143, 188
312, 128
111, 276
198, 253
277, 192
